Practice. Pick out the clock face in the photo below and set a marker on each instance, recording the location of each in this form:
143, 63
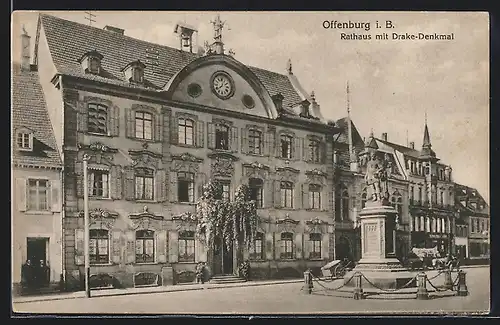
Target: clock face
222, 86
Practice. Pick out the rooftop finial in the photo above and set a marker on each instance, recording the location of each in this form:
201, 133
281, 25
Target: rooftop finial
313, 96
348, 99
425, 116
371, 133
90, 17
218, 26
289, 66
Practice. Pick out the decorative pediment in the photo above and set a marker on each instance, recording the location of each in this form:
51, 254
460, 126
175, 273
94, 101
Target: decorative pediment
145, 158
222, 167
185, 221
256, 165
187, 157
222, 155
286, 224
97, 147
256, 170
100, 213
287, 173
316, 221
145, 214
316, 176
316, 225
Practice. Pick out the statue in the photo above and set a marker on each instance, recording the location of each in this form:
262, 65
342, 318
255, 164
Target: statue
377, 175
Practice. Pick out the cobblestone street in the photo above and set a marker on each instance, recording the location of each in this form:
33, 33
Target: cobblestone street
279, 298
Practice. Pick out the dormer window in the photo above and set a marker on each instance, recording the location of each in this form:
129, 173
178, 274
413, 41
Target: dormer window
24, 140
91, 62
134, 71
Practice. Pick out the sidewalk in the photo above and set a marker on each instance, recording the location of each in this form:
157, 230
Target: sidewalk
149, 290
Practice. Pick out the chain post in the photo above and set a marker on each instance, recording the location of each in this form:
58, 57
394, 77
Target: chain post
308, 282
358, 289
422, 293
448, 282
462, 284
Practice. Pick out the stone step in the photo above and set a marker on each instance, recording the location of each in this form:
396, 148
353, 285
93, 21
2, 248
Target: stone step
226, 279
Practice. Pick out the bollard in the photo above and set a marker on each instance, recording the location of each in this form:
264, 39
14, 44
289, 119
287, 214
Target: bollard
422, 293
448, 282
462, 284
308, 282
358, 289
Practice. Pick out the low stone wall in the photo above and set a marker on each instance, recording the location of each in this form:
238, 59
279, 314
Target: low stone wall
279, 270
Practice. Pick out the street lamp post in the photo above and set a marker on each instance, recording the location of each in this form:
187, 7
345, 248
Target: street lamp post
86, 223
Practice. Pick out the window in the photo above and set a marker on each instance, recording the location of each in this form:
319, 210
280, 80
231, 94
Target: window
363, 199
137, 74
185, 187
186, 246
99, 183
286, 245
420, 198
314, 151
341, 203
315, 251
94, 65
257, 249
38, 195
97, 118
25, 141
411, 194
345, 205
224, 192
222, 137
186, 131
143, 125
255, 142
315, 196
287, 195
144, 184
255, 185
441, 198
473, 226
99, 246
397, 202
286, 146
144, 246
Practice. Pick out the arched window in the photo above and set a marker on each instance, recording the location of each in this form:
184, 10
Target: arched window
186, 131
144, 184
143, 125
364, 198
144, 246
255, 186
341, 203
97, 118
286, 245
255, 142
286, 146
186, 246
257, 249
99, 246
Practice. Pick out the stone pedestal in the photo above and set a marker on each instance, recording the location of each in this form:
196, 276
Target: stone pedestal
378, 261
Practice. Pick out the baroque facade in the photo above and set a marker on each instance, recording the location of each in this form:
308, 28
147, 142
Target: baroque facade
36, 217
156, 123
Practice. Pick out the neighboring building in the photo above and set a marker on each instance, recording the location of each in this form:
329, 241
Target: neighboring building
158, 123
36, 180
474, 213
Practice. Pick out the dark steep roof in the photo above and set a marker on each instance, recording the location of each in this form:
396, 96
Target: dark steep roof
69, 40
29, 110
343, 137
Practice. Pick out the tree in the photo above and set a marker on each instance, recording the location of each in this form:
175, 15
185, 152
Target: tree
234, 222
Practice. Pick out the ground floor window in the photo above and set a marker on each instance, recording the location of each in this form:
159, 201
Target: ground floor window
99, 246
257, 249
144, 246
186, 246
286, 245
315, 250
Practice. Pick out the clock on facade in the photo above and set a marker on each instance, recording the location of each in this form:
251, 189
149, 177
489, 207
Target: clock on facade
222, 85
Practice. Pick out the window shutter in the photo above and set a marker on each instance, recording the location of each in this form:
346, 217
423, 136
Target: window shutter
298, 246
173, 187
325, 249
322, 152
277, 245
269, 246
158, 127
200, 134
307, 247
130, 247
305, 196
173, 246
269, 144
79, 247
211, 135
129, 183
55, 192
161, 246
82, 117
305, 150
199, 183
244, 140
297, 153
297, 197
79, 183
161, 186
115, 182
174, 131
277, 146
268, 192
22, 194
130, 122
116, 248
234, 139
324, 198
114, 120
277, 194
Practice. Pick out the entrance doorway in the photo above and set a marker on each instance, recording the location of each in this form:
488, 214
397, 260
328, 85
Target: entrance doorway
223, 258
343, 249
36, 271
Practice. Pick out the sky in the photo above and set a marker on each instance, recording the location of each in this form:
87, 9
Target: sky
393, 83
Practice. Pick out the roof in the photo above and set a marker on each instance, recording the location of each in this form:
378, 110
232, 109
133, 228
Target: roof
472, 195
404, 150
343, 137
29, 110
69, 40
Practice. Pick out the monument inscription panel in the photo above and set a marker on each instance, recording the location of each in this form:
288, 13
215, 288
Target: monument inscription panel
371, 238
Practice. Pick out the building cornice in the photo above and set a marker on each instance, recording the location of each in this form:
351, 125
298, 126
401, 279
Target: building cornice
36, 166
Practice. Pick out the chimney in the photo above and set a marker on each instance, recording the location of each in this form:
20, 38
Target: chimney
25, 51
412, 145
384, 136
114, 30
